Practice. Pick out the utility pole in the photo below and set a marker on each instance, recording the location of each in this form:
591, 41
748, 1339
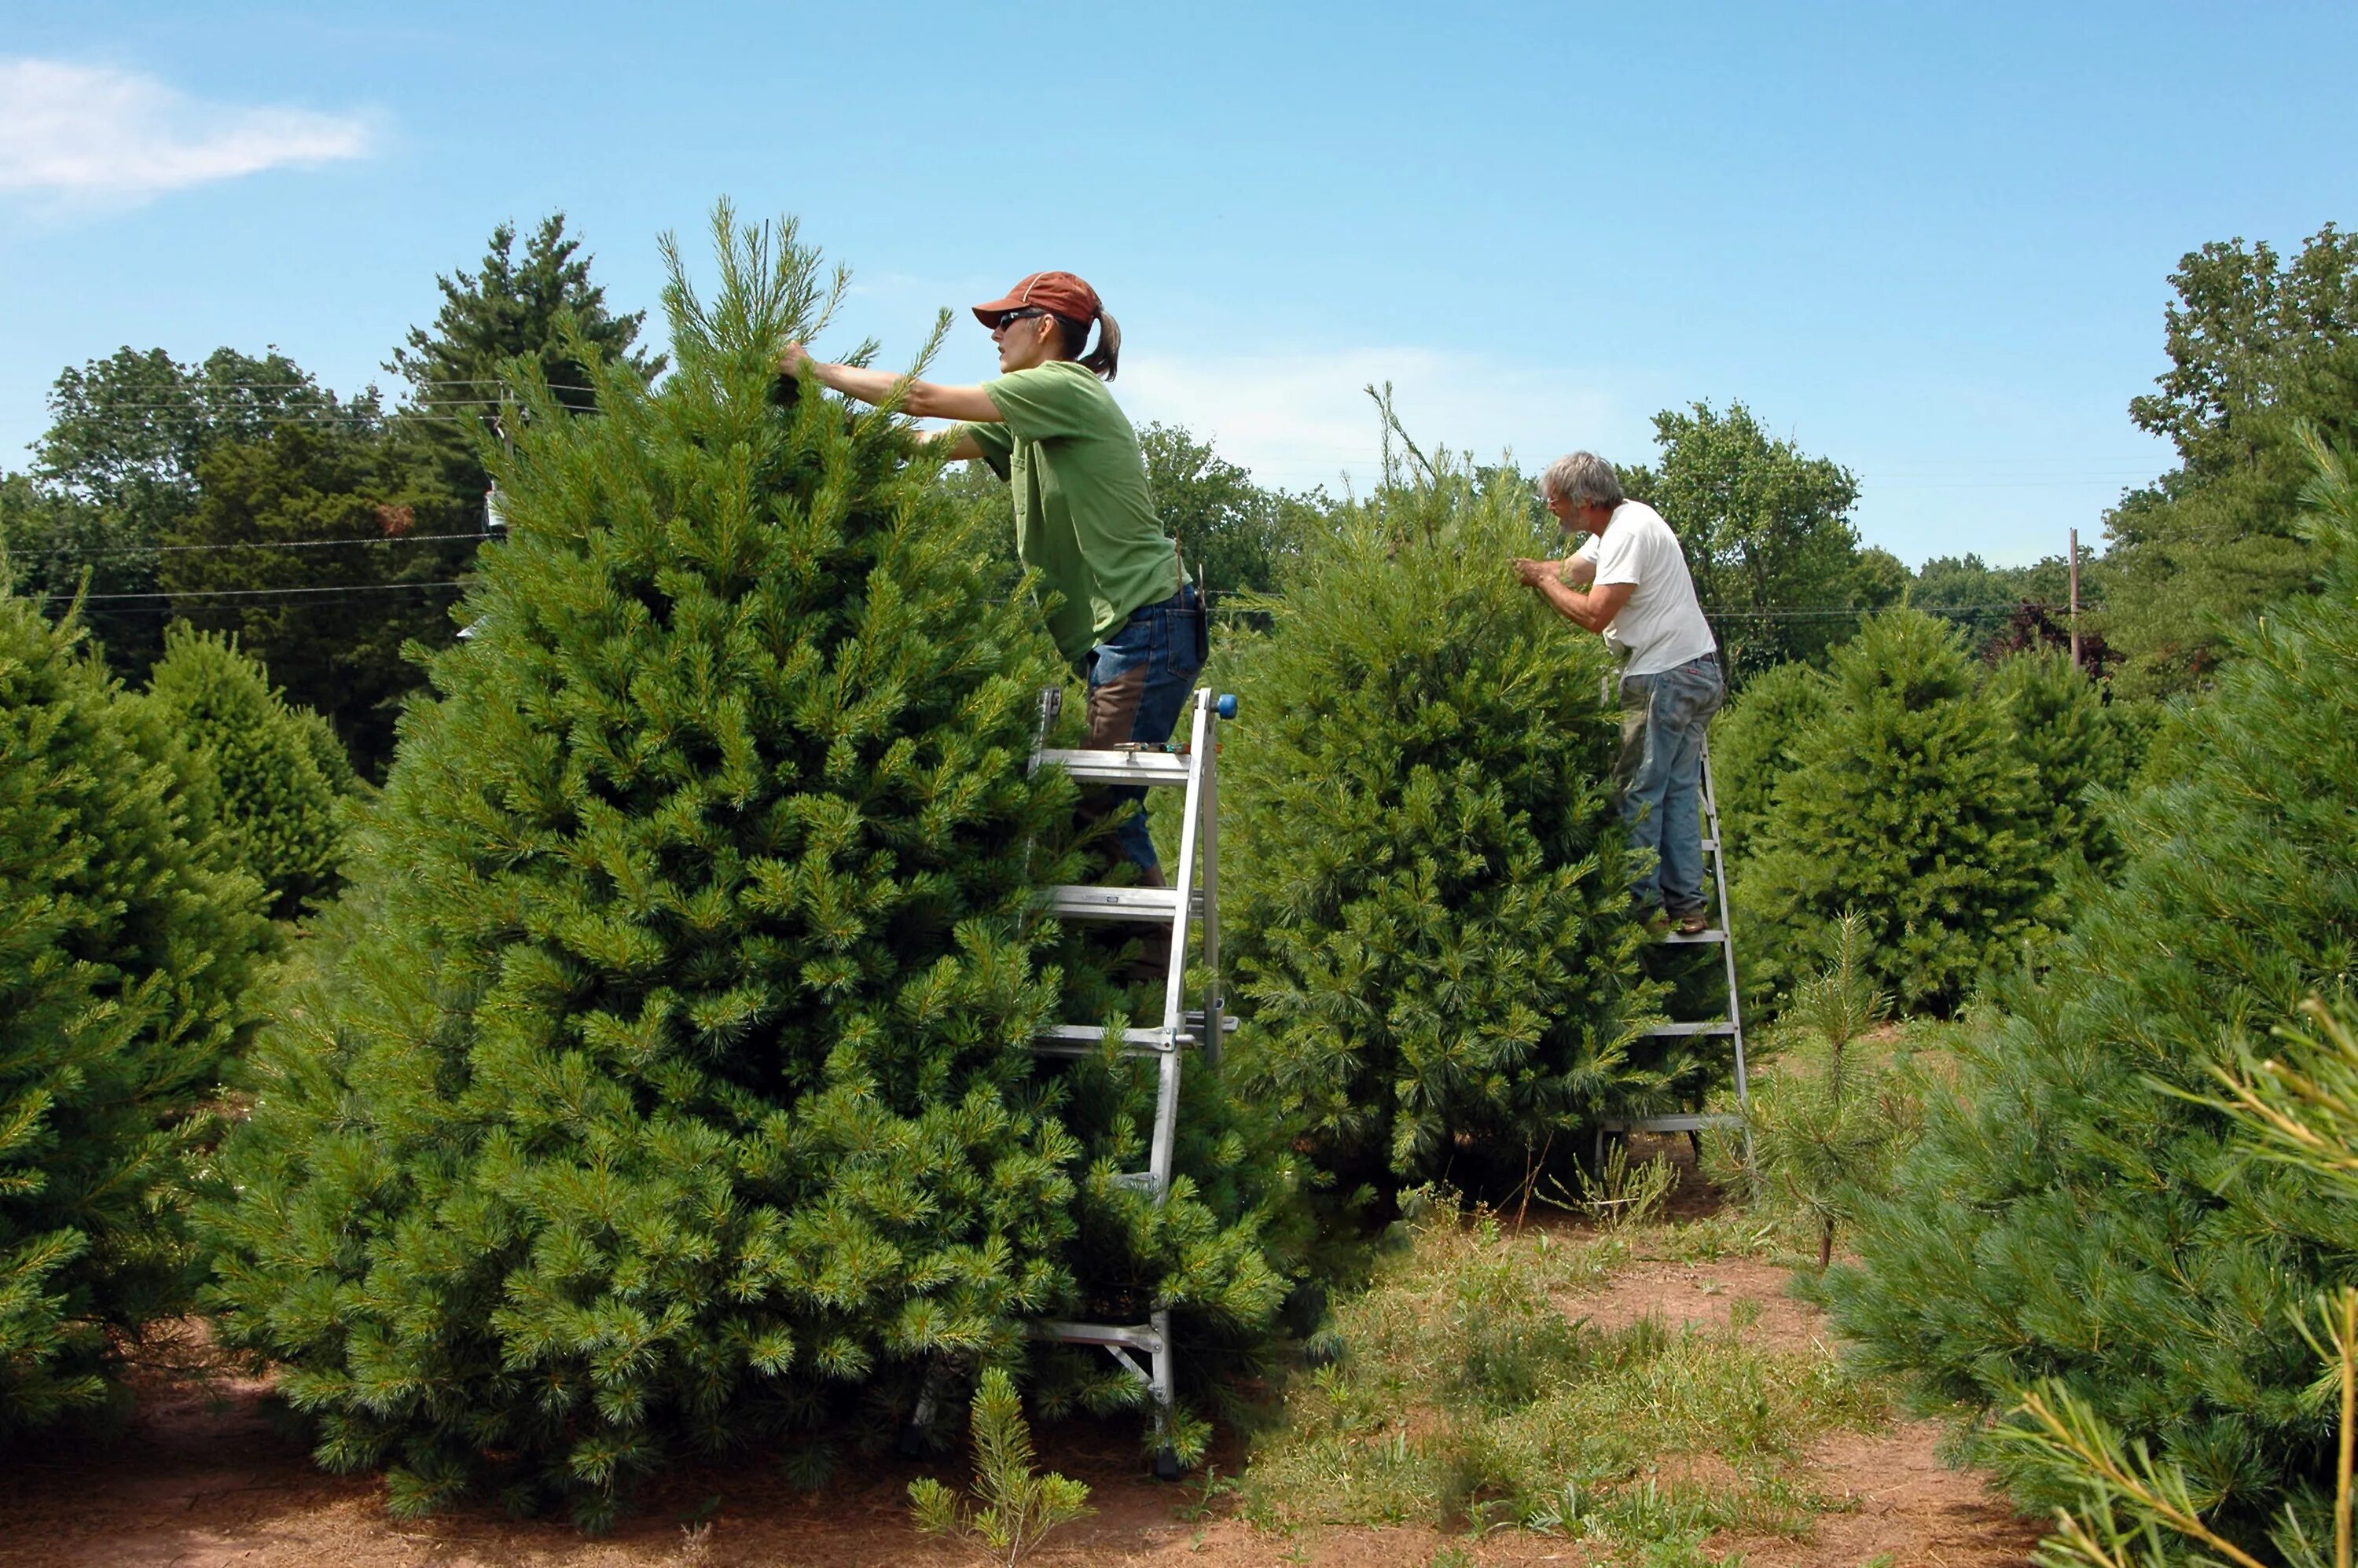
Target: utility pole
2076, 599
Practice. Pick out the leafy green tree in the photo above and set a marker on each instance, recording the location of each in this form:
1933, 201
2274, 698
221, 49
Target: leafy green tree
117, 472
127, 948
1984, 601
1910, 804
302, 550
277, 806
673, 1088
2257, 347
1446, 966
2068, 1215
1232, 533
1768, 535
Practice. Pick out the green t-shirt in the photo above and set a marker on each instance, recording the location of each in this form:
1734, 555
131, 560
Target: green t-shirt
1084, 519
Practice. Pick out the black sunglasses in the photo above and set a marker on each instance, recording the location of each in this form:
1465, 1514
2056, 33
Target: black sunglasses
1009, 318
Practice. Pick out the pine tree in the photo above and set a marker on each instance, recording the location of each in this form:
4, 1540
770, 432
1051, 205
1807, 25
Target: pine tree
673, 1087
2072, 743
276, 807
1754, 741
2068, 1217
1431, 893
127, 955
1908, 804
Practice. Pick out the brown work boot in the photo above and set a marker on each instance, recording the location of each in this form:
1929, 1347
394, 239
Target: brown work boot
1693, 923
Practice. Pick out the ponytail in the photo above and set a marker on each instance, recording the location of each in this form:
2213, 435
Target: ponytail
1106, 357
1100, 362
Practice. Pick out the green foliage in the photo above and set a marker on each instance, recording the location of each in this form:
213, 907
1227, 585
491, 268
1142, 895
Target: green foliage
301, 483
1829, 1121
1756, 740
278, 806
1766, 529
1908, 805
1019, 1509
1445, 968
2059, 725
1467, 1390
2258, 349
117, 472
2061, 1218
673, 1088
1232, 533
127, 948
542, 306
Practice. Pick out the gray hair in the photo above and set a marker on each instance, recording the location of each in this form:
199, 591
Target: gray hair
1582, 479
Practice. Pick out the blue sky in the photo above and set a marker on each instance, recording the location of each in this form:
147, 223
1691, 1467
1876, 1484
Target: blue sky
1929, 242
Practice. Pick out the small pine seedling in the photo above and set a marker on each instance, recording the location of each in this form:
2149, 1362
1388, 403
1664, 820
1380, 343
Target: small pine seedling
1018, 1509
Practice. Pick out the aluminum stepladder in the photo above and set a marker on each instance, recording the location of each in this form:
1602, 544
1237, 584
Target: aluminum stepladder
1192, 900
1730, 1027
1144, 1350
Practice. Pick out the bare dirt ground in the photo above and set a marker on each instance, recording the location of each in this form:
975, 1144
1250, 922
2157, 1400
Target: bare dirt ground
199, 1478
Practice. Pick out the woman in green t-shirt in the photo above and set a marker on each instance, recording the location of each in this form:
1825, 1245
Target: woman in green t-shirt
1122, 609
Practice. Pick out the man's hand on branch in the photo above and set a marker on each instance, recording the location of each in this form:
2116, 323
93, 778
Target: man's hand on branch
1530, 574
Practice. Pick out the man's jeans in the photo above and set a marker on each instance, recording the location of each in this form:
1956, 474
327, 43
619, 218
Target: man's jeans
1139, 680
1660, 777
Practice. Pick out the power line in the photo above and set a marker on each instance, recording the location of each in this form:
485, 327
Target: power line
251, 592
146, 550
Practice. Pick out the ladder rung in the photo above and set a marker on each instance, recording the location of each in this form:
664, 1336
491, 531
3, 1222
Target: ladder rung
1719, 1026
1142, 1336
1711, 843
1228, 1022
1682, 936
1685, 1122
1119, 767
1084, 1039
1136, 1181
1081, 902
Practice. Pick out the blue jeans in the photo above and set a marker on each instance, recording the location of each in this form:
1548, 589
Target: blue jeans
1139, 680
1660, 776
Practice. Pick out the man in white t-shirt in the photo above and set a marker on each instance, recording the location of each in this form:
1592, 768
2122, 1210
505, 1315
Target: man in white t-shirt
1630, 582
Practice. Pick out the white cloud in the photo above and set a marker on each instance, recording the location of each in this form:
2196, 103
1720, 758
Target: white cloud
85, 132
1296, 421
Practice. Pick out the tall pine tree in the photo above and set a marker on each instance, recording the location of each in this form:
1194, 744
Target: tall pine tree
676, 1092
2067, 1215
1431, 887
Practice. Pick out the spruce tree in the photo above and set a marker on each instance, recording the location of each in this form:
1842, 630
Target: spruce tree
1428, 880
276, 807
673, 1090
1753, 742
2062, 730
127, 948
2068, 1215
1908, 805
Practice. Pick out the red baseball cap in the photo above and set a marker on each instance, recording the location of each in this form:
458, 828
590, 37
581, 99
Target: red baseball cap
1059, 293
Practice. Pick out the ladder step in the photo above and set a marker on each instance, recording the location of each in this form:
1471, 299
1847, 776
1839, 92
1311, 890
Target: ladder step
1228, 1022
1119, 767
1717, 1026
1712, 843
1080, 902
1140, 1338
1682, 938
1684, 1122
1084, 1039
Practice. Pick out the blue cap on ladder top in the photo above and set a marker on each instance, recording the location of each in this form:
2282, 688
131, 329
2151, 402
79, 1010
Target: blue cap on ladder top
1227, 706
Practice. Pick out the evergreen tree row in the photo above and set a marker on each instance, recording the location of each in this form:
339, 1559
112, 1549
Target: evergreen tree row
2076, 1211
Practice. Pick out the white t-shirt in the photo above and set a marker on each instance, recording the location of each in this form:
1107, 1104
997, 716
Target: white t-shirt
1661, 626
